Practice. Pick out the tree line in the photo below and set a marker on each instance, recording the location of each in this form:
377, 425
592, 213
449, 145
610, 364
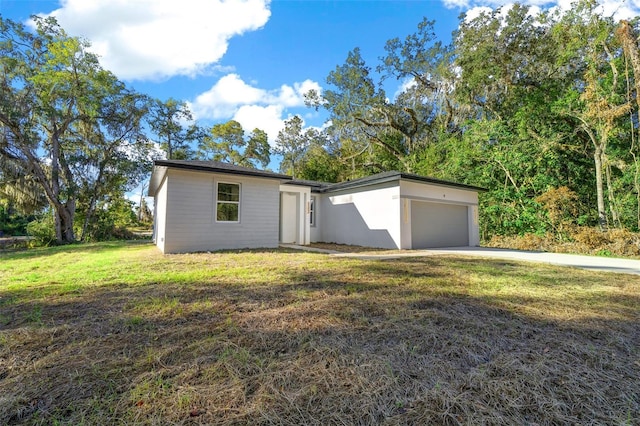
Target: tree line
539, 108
74, 139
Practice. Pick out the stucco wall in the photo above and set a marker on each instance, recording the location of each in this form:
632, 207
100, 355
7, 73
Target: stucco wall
367, 217
191, 213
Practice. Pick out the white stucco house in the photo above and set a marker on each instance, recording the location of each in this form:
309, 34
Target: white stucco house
207, 205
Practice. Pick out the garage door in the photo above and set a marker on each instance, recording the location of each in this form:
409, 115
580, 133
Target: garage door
438, 225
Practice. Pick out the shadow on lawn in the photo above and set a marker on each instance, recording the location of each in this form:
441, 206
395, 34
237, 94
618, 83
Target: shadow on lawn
397, 342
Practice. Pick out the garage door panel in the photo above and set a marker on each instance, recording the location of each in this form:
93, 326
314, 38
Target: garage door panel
438, 225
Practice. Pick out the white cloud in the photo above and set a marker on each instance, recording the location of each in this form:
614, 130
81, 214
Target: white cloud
232, 98
619, 9
267, 118
407, 84
224, 98
456, 4
474, 12
154, 39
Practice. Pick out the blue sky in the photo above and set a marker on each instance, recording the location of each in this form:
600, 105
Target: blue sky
249, 60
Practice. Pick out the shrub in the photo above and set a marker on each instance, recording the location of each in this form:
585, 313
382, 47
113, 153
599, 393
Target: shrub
591, 238
42, 230
560, 207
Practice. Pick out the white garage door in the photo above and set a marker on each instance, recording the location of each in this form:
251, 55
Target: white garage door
438, 225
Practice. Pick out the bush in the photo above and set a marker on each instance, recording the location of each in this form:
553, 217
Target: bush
591, 238
12, 222
42, 230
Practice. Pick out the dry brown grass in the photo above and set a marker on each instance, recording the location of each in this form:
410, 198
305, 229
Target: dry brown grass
288, 338
344, 248
581, 240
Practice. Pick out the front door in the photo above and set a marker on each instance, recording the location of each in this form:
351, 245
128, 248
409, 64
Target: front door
288, 217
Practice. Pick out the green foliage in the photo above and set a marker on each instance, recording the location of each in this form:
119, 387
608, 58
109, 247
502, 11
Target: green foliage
111, 220
12, 222
227, 142
71, 127
165, 119
320, 165
520, 103
292, 143
42, 230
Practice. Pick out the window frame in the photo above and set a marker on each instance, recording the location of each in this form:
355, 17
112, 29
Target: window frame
218, 201
313, 211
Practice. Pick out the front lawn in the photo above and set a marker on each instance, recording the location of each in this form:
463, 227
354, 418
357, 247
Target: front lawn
116, 333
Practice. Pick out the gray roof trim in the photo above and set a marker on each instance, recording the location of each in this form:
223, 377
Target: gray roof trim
394, 176
409, 176
218, 167
160, 167
313, 184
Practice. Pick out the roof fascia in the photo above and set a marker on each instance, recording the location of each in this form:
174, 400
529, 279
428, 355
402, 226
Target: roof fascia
195, 167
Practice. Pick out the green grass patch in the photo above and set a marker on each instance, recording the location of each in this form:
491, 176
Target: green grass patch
116, 333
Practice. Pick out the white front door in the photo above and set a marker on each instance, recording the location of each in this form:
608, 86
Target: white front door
288, 218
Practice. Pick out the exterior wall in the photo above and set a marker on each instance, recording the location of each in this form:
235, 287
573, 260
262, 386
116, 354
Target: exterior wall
364, 216
160, 215
440, 194
191, 213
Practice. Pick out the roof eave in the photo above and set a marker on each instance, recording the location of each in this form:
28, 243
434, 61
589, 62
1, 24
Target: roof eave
439, 182
157, 175
355, 184
213, 169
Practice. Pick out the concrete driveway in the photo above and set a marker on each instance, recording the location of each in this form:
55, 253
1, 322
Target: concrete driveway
596, 263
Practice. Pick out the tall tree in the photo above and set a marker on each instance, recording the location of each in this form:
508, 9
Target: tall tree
356, 106
227, 142
363, 114
168, 120
595, 101
292, 143
629, 40
68, 123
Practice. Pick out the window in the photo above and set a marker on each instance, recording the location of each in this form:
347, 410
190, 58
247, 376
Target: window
228, 202
312, 211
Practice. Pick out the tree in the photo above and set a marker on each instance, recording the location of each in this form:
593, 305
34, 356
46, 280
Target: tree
68, 123
166, 121
227, 142
595, 101
292, 143
361, 112
356, 105
257, 149
629, 40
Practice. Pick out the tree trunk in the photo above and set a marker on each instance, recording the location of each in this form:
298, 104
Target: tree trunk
63, 215
602, 214
60, 221
612, 200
